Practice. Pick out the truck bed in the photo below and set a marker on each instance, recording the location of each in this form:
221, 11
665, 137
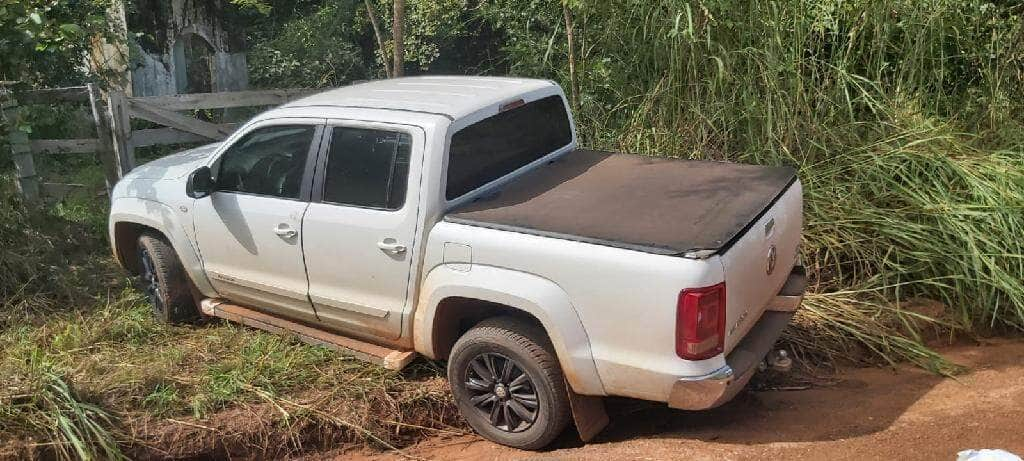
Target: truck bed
656, 205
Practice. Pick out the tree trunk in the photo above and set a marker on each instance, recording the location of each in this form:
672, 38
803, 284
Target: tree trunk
399, 37
570, 42
372, 13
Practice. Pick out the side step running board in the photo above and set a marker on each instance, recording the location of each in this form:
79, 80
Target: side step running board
391, 359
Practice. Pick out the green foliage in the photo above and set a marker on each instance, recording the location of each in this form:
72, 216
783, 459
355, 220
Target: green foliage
50, 259
313, 50
76, 430
430, 24
260, 6
43, 41
732, 71
162, 398
331, 42
265, 362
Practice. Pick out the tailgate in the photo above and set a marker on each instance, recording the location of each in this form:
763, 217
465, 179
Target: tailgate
759, 262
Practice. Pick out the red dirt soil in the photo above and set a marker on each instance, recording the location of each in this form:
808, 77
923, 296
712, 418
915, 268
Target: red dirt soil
864, 413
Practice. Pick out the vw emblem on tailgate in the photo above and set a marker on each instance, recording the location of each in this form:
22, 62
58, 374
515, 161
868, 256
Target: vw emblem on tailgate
771, 259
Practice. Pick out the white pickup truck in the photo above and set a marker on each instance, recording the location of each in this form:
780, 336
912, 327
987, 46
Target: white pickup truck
456, 218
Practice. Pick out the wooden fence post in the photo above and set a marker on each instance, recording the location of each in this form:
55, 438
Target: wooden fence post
21, 153
121, 131
104, 146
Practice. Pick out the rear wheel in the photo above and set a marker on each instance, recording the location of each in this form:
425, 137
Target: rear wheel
164, 281
508, 385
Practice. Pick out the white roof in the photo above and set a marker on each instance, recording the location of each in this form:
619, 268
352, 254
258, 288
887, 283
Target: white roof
451, 96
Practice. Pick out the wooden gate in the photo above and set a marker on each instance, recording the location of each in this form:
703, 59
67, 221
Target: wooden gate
23, 149
179, 128
115, 140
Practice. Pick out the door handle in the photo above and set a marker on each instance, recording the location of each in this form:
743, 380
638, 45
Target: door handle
285, 231
390, 245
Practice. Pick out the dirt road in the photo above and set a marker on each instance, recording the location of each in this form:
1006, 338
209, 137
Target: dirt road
862, 414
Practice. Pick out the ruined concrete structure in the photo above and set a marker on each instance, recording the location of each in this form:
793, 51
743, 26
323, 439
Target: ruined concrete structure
183, 46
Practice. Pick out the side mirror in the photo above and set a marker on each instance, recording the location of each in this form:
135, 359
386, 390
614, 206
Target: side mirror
200, 183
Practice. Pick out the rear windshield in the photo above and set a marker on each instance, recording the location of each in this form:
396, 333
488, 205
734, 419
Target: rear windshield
503, 143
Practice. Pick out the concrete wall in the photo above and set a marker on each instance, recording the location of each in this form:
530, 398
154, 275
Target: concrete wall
232, 72
161, 69
153, 77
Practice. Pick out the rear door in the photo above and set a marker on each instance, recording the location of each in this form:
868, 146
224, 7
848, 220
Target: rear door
360, 231
249, 229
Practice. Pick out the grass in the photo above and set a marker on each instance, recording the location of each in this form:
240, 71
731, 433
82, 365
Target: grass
54, 414
903, 119
131, 374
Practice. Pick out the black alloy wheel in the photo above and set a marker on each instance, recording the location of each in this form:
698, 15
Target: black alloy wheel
508, 384
164, 281
502, 391
151, 281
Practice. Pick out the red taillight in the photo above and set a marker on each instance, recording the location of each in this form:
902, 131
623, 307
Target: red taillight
700, 322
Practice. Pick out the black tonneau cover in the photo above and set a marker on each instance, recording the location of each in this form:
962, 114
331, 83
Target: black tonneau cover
657, 205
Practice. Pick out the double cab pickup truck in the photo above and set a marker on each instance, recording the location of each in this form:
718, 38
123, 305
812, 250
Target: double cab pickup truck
457, 218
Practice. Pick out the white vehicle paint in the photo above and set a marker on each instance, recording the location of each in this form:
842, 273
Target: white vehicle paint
385, 275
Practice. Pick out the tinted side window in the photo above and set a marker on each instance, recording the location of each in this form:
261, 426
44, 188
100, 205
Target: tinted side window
267, 161
368, 168
501, 144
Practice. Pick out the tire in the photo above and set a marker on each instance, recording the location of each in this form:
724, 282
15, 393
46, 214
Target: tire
164, 281
494, 405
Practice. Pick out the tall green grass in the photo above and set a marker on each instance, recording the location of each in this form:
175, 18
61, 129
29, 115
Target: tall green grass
905, 119
63, 425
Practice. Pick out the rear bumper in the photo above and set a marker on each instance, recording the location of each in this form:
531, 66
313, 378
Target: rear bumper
792, 292
721, 385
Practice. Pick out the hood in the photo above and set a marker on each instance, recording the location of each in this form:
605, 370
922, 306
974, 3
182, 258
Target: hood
175, 165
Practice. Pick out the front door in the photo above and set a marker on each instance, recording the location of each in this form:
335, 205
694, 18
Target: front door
250, 229
360, 230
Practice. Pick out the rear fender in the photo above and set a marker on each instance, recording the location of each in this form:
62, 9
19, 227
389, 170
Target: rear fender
537, 296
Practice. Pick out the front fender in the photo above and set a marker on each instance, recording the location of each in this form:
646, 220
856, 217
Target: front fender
537, 296
162, 218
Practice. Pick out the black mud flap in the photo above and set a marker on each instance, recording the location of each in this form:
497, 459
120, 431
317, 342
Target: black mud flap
588, 413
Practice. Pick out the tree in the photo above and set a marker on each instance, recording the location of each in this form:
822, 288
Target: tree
43, 42
574, 88
397, 67
371, 12
294, 40
398, 36
314, 46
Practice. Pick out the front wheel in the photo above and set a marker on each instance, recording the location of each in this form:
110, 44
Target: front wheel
164, 281
508, 385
